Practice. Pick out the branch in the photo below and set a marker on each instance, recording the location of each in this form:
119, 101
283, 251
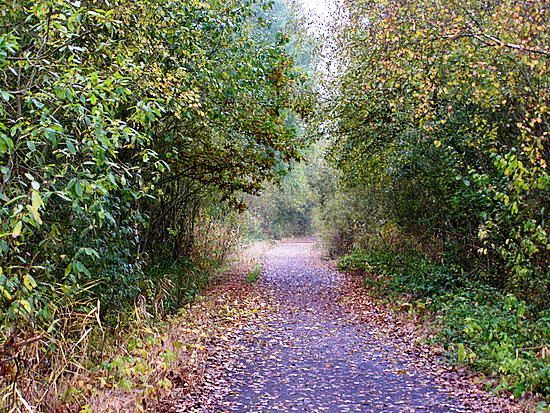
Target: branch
494, 41
5, 349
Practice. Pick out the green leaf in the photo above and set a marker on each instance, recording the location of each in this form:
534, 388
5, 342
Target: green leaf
68, 269
6, 144
81, 268
78, 188
70, 147
37, 103
23, 304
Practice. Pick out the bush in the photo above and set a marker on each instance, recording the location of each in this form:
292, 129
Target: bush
128, 132
443, 133
496, 333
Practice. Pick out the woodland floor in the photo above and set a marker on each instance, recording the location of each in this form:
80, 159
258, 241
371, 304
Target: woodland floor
313, 341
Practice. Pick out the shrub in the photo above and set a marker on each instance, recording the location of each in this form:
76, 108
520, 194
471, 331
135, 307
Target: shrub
496, 333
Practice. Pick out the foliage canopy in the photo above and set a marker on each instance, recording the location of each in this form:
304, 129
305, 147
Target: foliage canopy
122, 125
441, 119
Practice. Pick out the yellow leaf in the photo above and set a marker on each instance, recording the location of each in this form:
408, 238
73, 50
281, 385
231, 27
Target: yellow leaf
29, 282
24, 305
5, 293
36, 204
17, 229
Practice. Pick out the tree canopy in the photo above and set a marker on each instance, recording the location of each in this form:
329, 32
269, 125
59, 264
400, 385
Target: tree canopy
121, 125
441, 121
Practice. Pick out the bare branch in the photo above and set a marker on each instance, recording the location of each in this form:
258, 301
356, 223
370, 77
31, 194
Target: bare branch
494, 41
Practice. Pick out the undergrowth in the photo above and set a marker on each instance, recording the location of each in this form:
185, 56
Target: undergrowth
493, 332
52, 370
254, 274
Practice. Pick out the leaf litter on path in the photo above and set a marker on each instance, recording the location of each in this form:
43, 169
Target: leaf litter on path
305, 338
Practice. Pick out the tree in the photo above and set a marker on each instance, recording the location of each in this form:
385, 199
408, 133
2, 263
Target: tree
119, 126
442, 116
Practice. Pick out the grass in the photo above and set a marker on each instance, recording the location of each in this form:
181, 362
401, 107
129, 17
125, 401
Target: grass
109, 345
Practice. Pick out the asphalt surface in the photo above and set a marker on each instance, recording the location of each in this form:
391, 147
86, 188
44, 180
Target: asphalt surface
311, 356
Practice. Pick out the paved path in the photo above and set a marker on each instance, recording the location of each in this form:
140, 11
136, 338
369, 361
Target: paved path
310, 356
